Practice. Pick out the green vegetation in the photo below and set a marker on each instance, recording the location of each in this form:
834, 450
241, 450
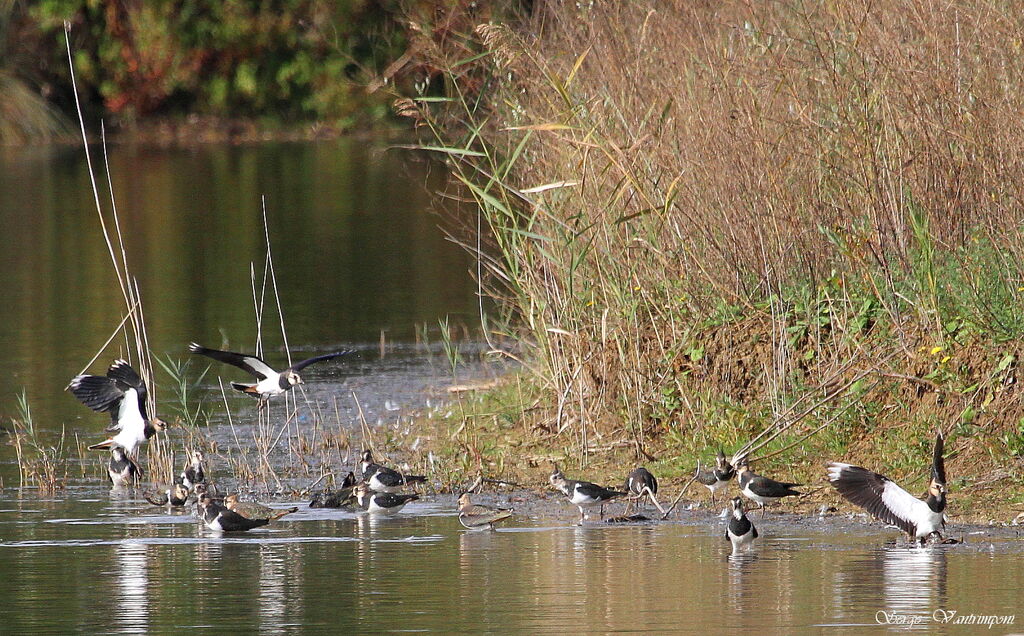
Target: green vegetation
231, 66
703, 219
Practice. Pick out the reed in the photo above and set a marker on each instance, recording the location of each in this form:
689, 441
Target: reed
133, 326
42, 463
685, 204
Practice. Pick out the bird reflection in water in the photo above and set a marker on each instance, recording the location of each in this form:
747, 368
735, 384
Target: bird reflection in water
131, 611
272, 592
915, 579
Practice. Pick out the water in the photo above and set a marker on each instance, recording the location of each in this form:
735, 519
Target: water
358, 253
98, 563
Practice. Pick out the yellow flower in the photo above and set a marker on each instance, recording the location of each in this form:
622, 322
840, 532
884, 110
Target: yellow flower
936, 350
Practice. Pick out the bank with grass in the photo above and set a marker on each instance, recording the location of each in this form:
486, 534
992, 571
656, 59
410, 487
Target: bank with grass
702, 222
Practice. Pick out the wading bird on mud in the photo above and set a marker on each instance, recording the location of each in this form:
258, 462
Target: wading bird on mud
920, 519
762, 490
583, 494
717, 478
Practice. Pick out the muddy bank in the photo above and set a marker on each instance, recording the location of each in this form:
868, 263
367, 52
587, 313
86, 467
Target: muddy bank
546, 507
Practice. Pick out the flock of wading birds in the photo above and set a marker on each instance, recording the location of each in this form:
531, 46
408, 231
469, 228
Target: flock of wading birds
122, 394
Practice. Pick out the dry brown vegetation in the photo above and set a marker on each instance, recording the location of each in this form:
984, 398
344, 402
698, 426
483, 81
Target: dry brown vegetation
702, 213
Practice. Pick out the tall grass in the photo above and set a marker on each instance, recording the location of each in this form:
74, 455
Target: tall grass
756, 197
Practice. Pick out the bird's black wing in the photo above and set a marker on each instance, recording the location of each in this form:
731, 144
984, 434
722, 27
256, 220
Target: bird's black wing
388, 477
252, 364
877, 494
233, 522
101, 394
299, 366
128, 378
350, 480
770, 488
938, 463
389, 500
706, 477
597, 492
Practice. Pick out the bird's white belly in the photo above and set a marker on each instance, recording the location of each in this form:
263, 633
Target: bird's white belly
749, 494
270, 386
717, 486
743, 542
215, 524
580, 499
930, 522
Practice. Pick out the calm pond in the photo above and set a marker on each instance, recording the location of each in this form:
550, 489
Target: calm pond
358, 253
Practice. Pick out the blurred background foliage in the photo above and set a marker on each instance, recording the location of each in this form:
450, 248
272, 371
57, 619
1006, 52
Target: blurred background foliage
279, 63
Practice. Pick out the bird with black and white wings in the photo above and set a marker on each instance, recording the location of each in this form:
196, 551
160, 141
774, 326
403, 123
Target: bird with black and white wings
269, 382
122, 393
886, 501
583, 494
380, 478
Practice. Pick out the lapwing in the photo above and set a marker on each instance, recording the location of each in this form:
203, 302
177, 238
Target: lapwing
478, 516
193, 472
254, 510
718, 477
220, 519
344, 497
381, 502
122, 469
740, 532
174, 496
583, 494
640, 483
383, 479
763, 490
270, 382
122, 393
920, 519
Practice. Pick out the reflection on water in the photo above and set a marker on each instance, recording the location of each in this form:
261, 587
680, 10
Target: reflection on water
914, 580
131, 604
271, 595
355, 573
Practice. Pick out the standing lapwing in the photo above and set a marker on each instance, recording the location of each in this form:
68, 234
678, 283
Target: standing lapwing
583, 494
255, 510
741, 532
344, 497
122, 469
193, 472
174, 496
478, 516
640, 483
383, 479
763, 490
381, 502
886, 501
717, 478
220, 519
270, 382
122, 393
